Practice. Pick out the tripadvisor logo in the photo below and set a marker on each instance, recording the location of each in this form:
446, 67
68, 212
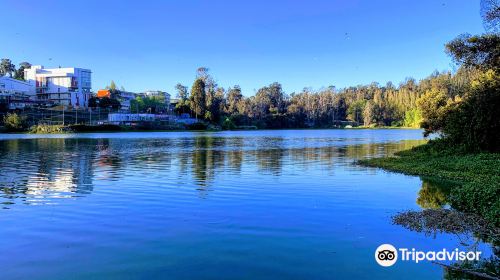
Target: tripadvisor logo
387, 255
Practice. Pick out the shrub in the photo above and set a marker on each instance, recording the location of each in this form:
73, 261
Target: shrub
478, 197
47, 129
14, 122
475, 124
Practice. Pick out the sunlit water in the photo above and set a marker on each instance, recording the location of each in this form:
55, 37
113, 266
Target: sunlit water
226, 205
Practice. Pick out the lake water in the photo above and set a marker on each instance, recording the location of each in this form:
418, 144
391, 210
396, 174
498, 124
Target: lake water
288, 204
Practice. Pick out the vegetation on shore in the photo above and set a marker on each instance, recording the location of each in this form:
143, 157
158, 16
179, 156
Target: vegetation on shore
477, 175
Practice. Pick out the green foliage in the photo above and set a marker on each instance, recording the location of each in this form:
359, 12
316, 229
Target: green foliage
198, 98
355, 111
6, 67
47, 129
432, 196
479, 196
182, 92
477, 175
435, 105
413, 118
13, 122
480, 51
474, 123
148, 104
19, 73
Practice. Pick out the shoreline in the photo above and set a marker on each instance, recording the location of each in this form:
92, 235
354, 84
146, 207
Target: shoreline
476, 175
128, 129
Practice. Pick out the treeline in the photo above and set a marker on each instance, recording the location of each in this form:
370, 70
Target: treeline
271, 107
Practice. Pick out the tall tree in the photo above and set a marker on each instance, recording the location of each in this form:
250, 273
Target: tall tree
234, 96
7, 67
198, 98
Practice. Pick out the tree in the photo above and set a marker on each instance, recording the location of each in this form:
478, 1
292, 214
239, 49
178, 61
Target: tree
234, 96
197, 98
19, 73
6, 67
368, 113
182, 92
202, 73
480, 51
14, 122
434, 105
182, 105
112, 86
214, 105
106, 102
355, 111
474, 124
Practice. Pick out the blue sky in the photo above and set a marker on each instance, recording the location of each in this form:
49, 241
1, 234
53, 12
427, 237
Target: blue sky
155, 44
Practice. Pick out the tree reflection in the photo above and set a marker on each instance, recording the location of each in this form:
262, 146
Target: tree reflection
65, 167
470, 230
434, 193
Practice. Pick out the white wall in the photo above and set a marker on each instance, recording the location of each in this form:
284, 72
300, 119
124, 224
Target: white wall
65, 86
10, 86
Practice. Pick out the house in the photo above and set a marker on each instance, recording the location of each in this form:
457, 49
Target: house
15, 93
62, 86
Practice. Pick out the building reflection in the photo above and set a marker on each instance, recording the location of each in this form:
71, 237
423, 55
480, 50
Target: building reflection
38, 170
34, 171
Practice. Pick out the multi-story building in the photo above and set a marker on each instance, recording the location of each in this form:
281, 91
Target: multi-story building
14, 93
61, 86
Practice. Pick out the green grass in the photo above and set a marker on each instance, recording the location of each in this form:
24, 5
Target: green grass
477, 175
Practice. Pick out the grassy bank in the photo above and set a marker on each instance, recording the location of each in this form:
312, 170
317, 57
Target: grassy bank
477, 175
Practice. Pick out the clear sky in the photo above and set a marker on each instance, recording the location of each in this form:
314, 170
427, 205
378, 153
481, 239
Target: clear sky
155, 44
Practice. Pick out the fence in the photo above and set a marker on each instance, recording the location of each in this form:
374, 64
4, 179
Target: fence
53, 116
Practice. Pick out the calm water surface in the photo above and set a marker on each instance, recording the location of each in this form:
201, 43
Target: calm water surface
227, 205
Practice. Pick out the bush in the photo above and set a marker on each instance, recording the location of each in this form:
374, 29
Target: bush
478, 197
475, 124
47, 129
14, 122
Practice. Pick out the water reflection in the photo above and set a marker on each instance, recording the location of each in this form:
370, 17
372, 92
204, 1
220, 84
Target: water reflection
471, 231
35, 171
434, 193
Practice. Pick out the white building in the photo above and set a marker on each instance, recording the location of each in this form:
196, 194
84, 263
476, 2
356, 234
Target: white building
14, 92
62, 86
